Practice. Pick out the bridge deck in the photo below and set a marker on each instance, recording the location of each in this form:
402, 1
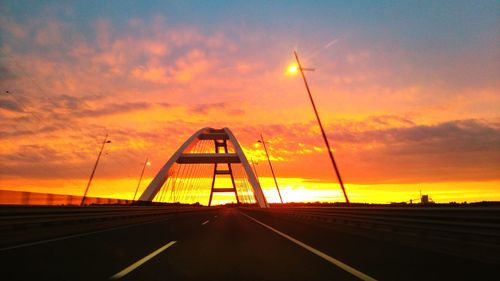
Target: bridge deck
250, 244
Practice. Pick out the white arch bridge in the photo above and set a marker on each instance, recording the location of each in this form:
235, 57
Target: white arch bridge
196, 170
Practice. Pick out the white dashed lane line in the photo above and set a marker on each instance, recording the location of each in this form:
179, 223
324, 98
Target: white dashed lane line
141, 261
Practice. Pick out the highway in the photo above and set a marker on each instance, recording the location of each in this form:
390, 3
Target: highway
231, 244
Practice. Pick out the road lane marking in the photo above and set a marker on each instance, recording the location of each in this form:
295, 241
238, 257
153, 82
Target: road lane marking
205, 222
334, 261
79, 235
141, 261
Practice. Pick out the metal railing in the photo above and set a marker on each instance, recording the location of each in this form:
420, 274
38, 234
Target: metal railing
25, 225
8, 197
478, 224
23, 217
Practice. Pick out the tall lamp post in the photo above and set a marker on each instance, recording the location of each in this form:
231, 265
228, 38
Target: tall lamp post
105, 141
294, 69
271, 166
146, 163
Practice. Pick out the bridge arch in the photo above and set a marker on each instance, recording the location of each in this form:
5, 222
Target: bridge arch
226, 152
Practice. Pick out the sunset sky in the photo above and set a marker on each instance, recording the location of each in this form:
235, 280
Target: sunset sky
408, 92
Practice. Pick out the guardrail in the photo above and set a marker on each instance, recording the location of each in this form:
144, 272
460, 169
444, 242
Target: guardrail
10, 197
23, 217
477, 224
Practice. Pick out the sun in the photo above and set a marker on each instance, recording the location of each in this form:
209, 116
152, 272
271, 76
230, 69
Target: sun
293, 68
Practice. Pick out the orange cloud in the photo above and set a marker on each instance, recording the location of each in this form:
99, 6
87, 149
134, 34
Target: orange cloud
154, 85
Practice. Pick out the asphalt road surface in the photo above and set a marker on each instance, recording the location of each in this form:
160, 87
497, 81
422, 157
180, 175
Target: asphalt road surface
232, 244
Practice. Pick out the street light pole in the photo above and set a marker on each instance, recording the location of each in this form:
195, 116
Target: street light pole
93, 170
271, 166
321, 127
140, 178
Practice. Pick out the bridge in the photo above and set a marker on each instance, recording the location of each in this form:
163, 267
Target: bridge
215, 152
163, 236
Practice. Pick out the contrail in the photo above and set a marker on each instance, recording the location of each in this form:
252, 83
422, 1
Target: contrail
326, 46
331, 43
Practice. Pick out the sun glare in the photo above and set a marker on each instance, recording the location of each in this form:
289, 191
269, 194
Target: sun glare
293, 68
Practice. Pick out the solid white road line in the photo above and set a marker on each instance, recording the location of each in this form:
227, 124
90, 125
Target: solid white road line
141, 261
205, 222
79, 235
334, 261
